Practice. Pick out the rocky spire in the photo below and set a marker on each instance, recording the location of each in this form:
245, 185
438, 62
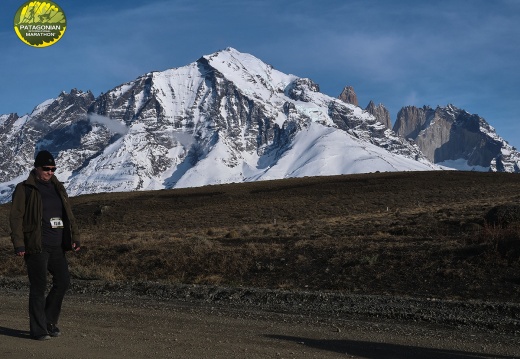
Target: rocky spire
380, 113
349, 96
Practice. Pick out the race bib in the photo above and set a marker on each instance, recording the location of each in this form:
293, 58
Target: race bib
56, 222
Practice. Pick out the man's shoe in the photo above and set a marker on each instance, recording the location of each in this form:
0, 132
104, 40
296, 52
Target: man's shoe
42, 337
53, 330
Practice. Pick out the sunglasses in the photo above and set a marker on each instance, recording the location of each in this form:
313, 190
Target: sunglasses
47, 169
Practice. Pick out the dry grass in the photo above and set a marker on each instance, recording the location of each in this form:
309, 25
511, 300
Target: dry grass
416, 234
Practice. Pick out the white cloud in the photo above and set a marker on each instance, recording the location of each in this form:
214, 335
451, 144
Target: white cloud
113, 126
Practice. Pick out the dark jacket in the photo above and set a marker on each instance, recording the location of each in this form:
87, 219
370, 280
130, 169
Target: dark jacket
26, 217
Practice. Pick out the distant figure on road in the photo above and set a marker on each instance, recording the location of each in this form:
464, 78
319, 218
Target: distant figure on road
42, 229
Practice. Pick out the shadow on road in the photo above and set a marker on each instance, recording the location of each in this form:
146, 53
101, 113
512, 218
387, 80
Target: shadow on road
9, 332
372, 350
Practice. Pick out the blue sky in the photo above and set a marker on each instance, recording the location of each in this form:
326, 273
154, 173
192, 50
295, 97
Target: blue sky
399, 53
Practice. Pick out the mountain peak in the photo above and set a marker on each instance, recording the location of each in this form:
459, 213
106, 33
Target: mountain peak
228, 117
348, 95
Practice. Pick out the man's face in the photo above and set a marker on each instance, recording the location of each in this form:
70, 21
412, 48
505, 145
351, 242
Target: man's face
45, 173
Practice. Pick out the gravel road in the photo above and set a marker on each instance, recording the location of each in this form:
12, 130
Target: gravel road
155, 321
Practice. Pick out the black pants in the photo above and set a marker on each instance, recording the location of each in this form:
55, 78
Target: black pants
46, 309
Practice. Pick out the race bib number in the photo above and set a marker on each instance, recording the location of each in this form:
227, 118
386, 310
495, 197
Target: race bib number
56, 222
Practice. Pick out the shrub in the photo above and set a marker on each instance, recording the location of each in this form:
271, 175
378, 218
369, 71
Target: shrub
503, 215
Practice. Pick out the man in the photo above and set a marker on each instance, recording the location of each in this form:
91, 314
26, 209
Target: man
42, 229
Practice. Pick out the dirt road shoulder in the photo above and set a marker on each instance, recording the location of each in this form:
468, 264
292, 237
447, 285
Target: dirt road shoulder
95, 327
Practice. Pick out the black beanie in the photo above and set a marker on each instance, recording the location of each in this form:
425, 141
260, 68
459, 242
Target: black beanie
44, 158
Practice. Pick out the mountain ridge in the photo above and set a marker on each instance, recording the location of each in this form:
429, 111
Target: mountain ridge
227, 117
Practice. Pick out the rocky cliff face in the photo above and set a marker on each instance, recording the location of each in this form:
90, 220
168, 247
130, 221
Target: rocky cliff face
447, 135
410, 121
55, 125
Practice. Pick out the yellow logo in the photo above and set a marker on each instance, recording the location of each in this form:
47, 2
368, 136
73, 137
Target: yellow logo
40, 23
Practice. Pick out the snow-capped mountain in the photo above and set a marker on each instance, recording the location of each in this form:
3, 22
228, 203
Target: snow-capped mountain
228, 117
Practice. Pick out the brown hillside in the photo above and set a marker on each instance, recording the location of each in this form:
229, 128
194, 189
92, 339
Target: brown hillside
420, 234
